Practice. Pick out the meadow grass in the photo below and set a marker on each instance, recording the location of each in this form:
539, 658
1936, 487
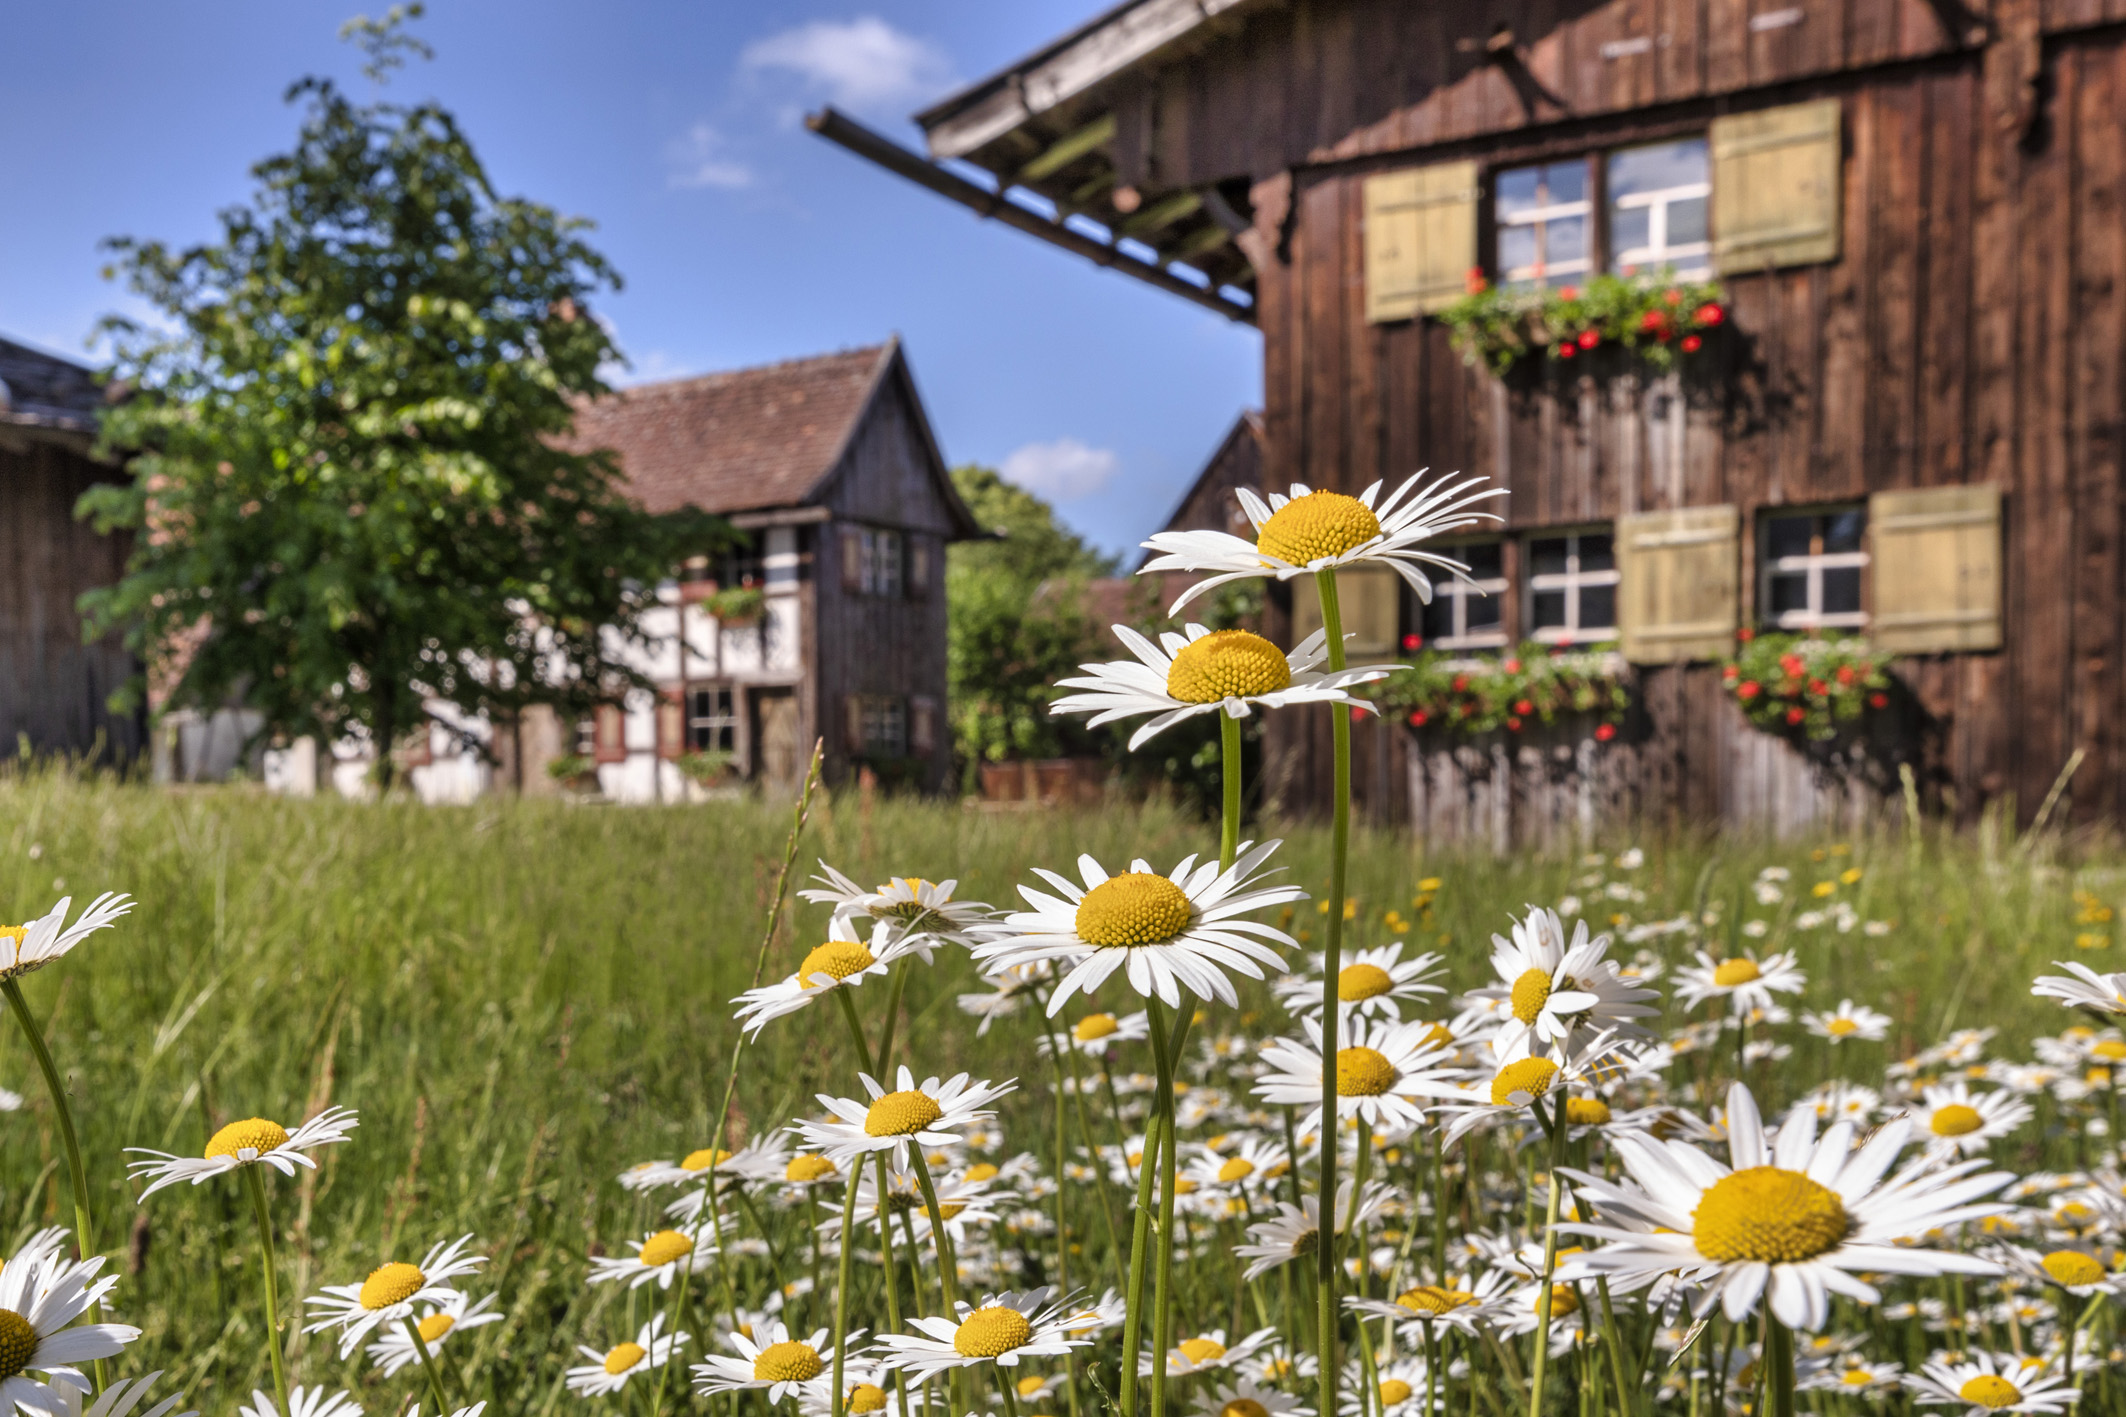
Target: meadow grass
523, 998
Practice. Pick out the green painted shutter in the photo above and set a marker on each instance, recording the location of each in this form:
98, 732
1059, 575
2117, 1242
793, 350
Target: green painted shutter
1776, 183
1420, 239
1936, 567
1677, 584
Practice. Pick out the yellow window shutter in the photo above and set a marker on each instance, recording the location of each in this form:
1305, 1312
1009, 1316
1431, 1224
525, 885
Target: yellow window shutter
1677, 584
1420, 239
1370, 599
1936, 564
1776, 183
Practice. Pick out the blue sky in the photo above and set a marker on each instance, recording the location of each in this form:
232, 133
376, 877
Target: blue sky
676, 127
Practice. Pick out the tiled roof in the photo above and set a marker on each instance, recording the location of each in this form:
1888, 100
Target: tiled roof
40, 390
739, 441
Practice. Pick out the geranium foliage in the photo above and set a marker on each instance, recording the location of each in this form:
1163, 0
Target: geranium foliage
1536, 683
1655, 319
1804, 685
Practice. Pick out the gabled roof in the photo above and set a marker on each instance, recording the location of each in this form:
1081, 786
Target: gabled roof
752, 440
39, 390
1237, 462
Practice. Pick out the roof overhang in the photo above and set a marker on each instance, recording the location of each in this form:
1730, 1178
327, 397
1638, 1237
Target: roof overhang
779, 516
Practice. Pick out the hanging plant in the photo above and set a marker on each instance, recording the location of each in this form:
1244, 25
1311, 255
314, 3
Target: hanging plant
1534, 684
740, 605
1802, 686
705, 769
1658, 320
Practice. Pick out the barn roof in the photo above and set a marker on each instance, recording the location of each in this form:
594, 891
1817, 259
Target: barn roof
751, 440
39, 390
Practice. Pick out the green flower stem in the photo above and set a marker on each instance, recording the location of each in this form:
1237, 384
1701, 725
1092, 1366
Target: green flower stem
257, 1185
885, 1240
1354, 1242
1328, 1271
841, 1288
1616, 1348
948, 1261
1085, 1134
679, 1307
1139, 1248
856, 1032
1779, 1365
428, 1366
1556, 1128
812, 1300
1229, 832
1162, 1300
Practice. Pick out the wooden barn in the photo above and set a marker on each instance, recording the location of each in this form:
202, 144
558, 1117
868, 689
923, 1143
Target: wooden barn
1908, 430
54, 689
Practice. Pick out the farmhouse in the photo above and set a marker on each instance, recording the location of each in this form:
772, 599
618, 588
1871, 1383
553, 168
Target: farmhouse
1905, 428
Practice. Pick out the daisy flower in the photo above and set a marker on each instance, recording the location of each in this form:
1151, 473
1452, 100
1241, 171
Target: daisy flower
1209, 671
1108, 1312
24, 948
844, 961
922, 910
254, 1140
1549, 985
1094, 1034
1960, 1122
1295, 1231
657, 1259
1007, 990
1745, 981
1379, 1077
1207, 1351
1246, 1164
1168, 931
118, 1400
1854, 1374
1848, 1022
394, 1348
1035, 1386
303, 1402
41, 1294
1399, 1386
1004, 1329
1374, 984
865, 1392
2083, 988
1516, 1083
1317, 531
1460, 1303
1796, 1216
770, 1359
390, 1292
609, 1372
2076, 1271
1986, 1383
1244, 1397
933, 1114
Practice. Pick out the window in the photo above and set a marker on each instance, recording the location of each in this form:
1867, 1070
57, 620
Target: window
879, 563
1572, 588
1812, 566
1462, 615
1545, 218
712, 720
885, 726
1658, 196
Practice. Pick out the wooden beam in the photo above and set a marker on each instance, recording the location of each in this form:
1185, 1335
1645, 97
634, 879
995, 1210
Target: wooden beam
1068, 150
1210, 238
1162, 214
839, 128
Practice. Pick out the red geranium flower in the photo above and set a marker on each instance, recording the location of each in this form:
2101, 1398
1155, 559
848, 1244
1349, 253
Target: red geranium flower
1710, 313
1475, 281
1653, 319
1461, 682
1567, 350
1845, 674
1691, 344
1417, 718
1878, 701
1745, 634
1513, 723
1672, 295
1358, 714
1792, 664
1604, 732
1795, 715
1523, 706
1513, 666
1748, 689
1731, 673
1589, 339
1818, 687
1413, 642
1568, 292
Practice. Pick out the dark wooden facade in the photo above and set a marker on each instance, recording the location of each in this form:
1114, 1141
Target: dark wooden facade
54, 689
1972, 330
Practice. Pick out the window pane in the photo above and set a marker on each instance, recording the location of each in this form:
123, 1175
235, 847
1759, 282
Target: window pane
1516, 248
1484, 613
1656, 167
1598, 608
1598, 552
1686, 221
1549, 609
1567, 182
1841, 590
1439, 617
1482, 557
1565, 239
1628, 231
1547, 556
1517, 190
1790, 536
1841, 531
1790, 592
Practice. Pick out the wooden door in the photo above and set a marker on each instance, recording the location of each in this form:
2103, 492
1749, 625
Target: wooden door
778, 763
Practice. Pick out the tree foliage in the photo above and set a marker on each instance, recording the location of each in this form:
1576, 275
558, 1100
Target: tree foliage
352, 491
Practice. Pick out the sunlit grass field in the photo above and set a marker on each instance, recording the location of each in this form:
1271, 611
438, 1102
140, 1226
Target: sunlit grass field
523, 999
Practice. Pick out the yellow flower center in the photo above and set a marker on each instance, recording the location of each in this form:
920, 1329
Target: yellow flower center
1393, 1392
1243, 1407
840, 958
18, 1344
1227, 664
980, 1171
1430, 1299
1362, 981
1237, 1168
2110, 1048
1094, 1027
1587, 1111
390, 1284
805, 1167
435, 1326
1732, 972
703, 1159
1201, 1350
992, 1331
2072, 1267
867, 1397
900, 1114
1134, 908
253, 1133
1840, 1027
790, 1362
1030, 1386
1319, 524
626, 1356
1530, 992
1768, 1215
1956, 1120
664, 1247
1530, 1077
1362, 1072
911, 907
1856, 1377
1564, 1303
1989, 1391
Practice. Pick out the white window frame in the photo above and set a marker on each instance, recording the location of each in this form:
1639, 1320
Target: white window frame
880, 569
885, 725
1691, 259
1458, 593
1571, 580
1540, 218
714, 721
1813, 565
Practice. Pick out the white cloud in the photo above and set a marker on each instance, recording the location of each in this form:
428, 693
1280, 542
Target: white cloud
864, 64
1062, 471
697, 158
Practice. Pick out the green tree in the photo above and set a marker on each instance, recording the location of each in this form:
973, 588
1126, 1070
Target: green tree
1018, 623
352, 491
